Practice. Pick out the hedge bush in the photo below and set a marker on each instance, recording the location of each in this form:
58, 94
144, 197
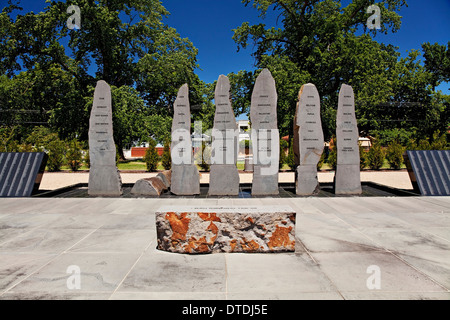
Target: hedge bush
375, 157
394, 154
283, 157
151, 157
290, 160
74, 155
166, 157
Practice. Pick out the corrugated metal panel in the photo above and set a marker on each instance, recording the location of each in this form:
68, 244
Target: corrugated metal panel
21, 173
430, 171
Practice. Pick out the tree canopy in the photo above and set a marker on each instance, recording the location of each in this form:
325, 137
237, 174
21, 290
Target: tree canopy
48, 71
328, 44
51, 70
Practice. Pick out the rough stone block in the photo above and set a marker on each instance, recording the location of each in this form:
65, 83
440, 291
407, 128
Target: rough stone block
149, 187
165, 177
201, 230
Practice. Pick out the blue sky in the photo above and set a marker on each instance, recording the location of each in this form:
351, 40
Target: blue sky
209, 23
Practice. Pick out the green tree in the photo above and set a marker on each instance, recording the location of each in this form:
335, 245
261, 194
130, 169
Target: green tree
439, 141
74, 155
394, 154
55, 150
321, 161
128, 45
375, 157
7, 139
151, 157
317, 42
290, 160
166, 157
362, 158
437, 61
283, 146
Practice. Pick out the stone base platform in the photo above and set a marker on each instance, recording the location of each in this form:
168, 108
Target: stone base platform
202, 230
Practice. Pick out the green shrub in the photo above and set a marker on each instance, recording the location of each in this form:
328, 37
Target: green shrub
394, 155
166, 156
25, 147
8, 142
87, 159
55, 150
362, 158
40, 138
411, 145
151, 157
74, 155
375, 157
321, 161
44, 140
439, 141
332, 158
283, 157
424, 144
290, 160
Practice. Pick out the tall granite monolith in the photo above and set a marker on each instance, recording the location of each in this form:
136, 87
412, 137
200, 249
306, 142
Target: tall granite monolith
224, 176
104, 177
309, 140
185, 175
265, 136
348, 176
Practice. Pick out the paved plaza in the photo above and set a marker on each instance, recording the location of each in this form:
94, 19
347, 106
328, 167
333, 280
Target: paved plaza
346, 248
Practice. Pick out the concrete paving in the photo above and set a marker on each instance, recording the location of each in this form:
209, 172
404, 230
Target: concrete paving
342, 244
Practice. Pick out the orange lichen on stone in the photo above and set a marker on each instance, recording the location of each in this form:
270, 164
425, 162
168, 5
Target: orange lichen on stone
249, 246
212, 227
179, 225
197, 246
251, 220
233, 244
209, 216
280, 238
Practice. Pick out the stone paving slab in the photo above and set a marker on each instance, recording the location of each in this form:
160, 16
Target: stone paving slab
113, 242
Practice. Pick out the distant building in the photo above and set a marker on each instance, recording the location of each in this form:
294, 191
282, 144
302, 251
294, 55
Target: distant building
244, 129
